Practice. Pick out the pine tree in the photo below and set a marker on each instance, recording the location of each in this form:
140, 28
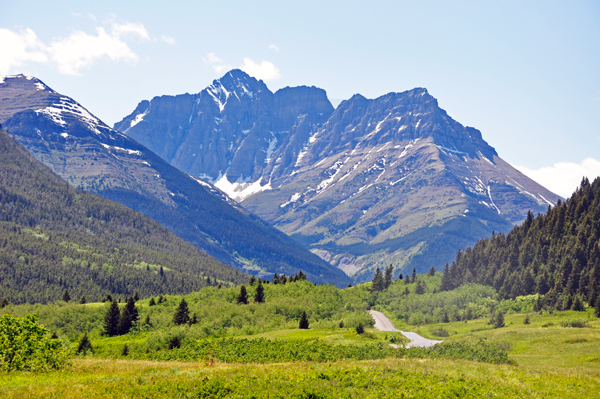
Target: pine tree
136, 296
420, 289
378, 281
252, 280
84, 345
182, 314
4, 302
597, 307
387, 280
193, 320
259, 296
129, 317
243, 296
413, 277
431, 271
578, 304
111, 320
275, 279
499, 319
152, 302
66, 297
303, 325
82, 301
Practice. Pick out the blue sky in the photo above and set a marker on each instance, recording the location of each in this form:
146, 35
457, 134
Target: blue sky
524, 73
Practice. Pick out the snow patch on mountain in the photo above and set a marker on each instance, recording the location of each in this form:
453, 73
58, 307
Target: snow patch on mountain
240, 189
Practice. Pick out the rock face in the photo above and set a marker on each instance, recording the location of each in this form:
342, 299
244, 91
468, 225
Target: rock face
392, 180
90, 155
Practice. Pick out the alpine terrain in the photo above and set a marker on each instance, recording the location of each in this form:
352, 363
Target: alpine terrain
85, 152
392, 180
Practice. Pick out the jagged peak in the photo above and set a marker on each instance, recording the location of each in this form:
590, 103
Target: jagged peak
26, 80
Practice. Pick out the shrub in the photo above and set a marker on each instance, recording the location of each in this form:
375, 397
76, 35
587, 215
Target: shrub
440, 332
575, 323
28, 346
84, 345
360, 328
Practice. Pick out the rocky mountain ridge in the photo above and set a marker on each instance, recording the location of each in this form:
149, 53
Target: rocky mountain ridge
90, 155
389, 180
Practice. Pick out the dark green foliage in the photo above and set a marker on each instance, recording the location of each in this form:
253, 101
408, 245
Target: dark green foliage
341, 325
147, 320
85, 345
420, 288
152, 302
111, 320
28, 346
387, 280
82, 301
597, 307
242, 298
578, 304
400, 276
136, 296
275, 279
66, 297
526, 321
259, 296
182, 314
193, 320
378, 283
303, 325
413, 276
431, 271
129, 317
4, 302
252, 280
174, 342
499, 319
125, 350
556, 254
360, 328
66, 239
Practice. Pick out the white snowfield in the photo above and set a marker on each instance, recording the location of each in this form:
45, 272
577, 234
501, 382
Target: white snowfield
382, 323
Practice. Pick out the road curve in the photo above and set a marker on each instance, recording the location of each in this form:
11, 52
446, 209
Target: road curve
382, 323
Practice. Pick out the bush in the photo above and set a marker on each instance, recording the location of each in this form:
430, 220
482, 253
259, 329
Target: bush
575, 323
440, 332
28, 346
360, 328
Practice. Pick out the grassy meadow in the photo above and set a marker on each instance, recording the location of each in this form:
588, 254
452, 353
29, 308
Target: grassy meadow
257, 350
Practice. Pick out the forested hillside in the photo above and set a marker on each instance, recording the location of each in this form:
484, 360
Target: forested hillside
556, 254
55, 238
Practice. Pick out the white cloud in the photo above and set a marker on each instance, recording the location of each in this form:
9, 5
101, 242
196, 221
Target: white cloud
265, 70
17, 49
274, 47
216, 63
72, 53
563, 178
168, 40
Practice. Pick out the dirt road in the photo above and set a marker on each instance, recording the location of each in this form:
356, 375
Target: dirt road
382, 323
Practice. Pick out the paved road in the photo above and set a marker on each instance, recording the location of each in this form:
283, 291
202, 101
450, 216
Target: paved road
382, 323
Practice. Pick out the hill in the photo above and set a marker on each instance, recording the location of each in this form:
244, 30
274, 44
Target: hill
55, 238
556, 254
81, 149
375, 181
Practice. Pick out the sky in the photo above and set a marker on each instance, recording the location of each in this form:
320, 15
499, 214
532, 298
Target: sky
524, 73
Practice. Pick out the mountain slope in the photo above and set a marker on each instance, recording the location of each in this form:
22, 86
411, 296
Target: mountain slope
556, 254
90, 155
373, 182
53, 237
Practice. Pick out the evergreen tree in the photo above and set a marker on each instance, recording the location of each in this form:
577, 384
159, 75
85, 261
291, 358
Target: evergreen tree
152, 302
341, 324
387, 280
378, 281
66, 297
431, 271
420, 288
82, 301
182, 314
360, 328
111, 320
259, 296
4, 302
252, 280
275, 279
242, 298
125, 350
400, 276
129, 317
193, 320
303, 325
136, 296
597, 307
283, 279
578, 304
413, 277
499, 319
84, 345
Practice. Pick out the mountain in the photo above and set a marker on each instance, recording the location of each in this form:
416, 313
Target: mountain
556, 254
90, 155
54, 237
394, 180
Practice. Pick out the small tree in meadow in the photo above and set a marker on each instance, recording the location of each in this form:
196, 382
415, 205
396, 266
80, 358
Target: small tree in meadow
129, 317
303, 325
360, 328
85, 345
111, 320
259, 295
242, 298
182, 314
66, 297
499, 319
